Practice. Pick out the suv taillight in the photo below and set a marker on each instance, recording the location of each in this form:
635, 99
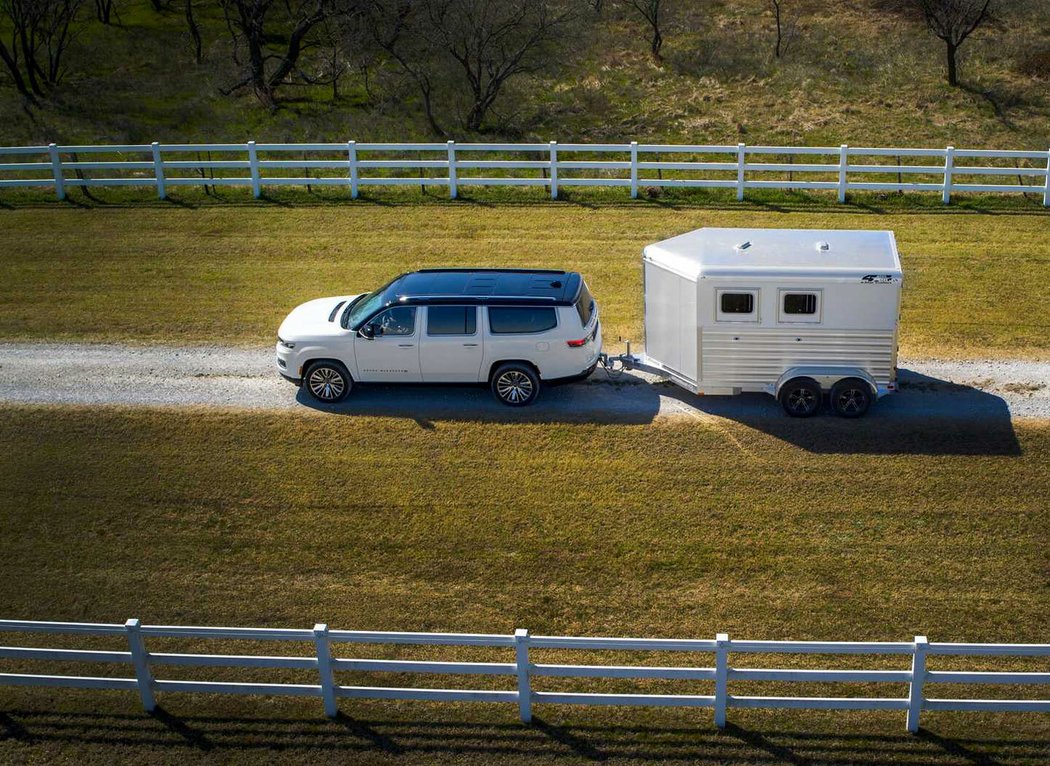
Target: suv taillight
578, 343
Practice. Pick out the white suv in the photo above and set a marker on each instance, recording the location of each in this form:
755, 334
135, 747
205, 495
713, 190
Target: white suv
510, 328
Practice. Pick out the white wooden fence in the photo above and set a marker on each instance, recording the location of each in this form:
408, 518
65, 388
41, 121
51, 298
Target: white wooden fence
524, 670
840, 169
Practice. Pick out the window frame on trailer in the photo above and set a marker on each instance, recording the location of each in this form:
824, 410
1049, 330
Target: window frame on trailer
752, 317
817, 317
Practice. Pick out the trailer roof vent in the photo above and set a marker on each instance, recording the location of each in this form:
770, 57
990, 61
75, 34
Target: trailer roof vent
823, 247
741, 247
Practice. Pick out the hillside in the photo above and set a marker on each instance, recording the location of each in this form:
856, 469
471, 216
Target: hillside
849, 72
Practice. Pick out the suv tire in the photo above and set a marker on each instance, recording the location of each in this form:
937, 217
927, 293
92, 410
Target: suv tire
516, 385
800, 397
327, 382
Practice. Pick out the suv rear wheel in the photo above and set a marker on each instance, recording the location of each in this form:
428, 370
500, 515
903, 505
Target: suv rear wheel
515, 385
327, 382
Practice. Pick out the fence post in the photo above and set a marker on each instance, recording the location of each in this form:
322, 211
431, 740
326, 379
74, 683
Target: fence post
949, 164
740, 172
634, 170
554, 170
521, 656
452, 191
918, 677
1046, 189
843, 166
324, 668
140, 660
351, 150
253, 164
56, 170
721, 678
158, 171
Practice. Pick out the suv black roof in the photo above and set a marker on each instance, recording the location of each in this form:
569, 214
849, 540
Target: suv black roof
544, 287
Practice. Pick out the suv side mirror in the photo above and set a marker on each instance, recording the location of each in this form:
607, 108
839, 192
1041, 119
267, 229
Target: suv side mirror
367, 331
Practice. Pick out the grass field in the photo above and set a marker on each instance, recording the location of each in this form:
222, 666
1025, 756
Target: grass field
386, 523
677, 527
976, 280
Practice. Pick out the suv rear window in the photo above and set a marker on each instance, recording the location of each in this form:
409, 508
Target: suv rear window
585, 304
511, 320
452, 320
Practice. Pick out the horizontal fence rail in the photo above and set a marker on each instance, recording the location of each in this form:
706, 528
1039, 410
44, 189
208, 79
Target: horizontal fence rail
523, 670
552, 165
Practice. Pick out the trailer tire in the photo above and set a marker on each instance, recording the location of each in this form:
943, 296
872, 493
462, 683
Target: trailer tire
515, 384
851, 397
800, 397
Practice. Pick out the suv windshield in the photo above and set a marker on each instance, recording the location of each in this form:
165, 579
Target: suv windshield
360, 309
585, 304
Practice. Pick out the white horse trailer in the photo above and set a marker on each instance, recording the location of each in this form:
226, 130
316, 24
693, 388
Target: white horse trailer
790, 312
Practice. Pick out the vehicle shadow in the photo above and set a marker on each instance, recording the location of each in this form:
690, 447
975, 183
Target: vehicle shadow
928, 416
361, 740
595, 400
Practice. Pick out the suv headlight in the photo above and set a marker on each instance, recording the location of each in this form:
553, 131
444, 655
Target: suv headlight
285, 343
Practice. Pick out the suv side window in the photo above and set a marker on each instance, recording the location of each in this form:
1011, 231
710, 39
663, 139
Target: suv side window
400, 320
516, 320
452, 320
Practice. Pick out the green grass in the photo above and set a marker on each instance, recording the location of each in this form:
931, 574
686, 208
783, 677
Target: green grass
976, 280
570, 528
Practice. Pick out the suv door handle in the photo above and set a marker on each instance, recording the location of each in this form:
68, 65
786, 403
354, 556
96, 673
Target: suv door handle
470, 344
406, 345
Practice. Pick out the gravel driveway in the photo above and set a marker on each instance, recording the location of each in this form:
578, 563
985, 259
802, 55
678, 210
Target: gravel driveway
168, 376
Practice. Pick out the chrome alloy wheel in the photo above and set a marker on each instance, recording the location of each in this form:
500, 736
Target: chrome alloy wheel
514, 387
326, 384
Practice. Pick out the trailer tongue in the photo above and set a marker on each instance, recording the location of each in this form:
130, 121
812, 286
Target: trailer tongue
797, 314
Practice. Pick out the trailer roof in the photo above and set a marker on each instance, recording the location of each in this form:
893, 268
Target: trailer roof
778, 252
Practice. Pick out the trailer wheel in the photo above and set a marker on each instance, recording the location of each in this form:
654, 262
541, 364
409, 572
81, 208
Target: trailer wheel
515, 385
800, 397
850, 397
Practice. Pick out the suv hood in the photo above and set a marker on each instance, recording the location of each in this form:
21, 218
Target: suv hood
311, 319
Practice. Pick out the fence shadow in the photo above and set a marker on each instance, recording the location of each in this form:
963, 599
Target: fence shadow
170, 736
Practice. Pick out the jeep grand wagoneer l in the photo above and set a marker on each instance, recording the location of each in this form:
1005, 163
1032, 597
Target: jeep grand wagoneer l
510, 328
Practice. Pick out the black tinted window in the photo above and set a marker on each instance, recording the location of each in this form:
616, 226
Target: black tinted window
800, 303
521, 319
585, 305
395, 321
452, 320
738, 303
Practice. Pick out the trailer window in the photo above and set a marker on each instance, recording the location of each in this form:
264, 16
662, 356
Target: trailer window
799, 306
515, 320
800, 303
738, 303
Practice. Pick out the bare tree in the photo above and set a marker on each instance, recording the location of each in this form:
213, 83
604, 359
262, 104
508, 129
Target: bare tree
41, 33
104, 11
274, 36
776, 4
473, 47
650, 11
194, 30
953, 21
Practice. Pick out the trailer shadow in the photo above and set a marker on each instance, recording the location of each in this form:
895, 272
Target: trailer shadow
929, 416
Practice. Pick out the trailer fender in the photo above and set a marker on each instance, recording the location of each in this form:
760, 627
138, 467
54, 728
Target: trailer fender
826, 376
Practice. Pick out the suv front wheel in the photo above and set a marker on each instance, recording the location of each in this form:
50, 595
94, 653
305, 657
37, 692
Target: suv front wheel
327, 382
515, 385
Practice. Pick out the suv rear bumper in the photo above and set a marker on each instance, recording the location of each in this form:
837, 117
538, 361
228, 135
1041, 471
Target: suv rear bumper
573, 378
